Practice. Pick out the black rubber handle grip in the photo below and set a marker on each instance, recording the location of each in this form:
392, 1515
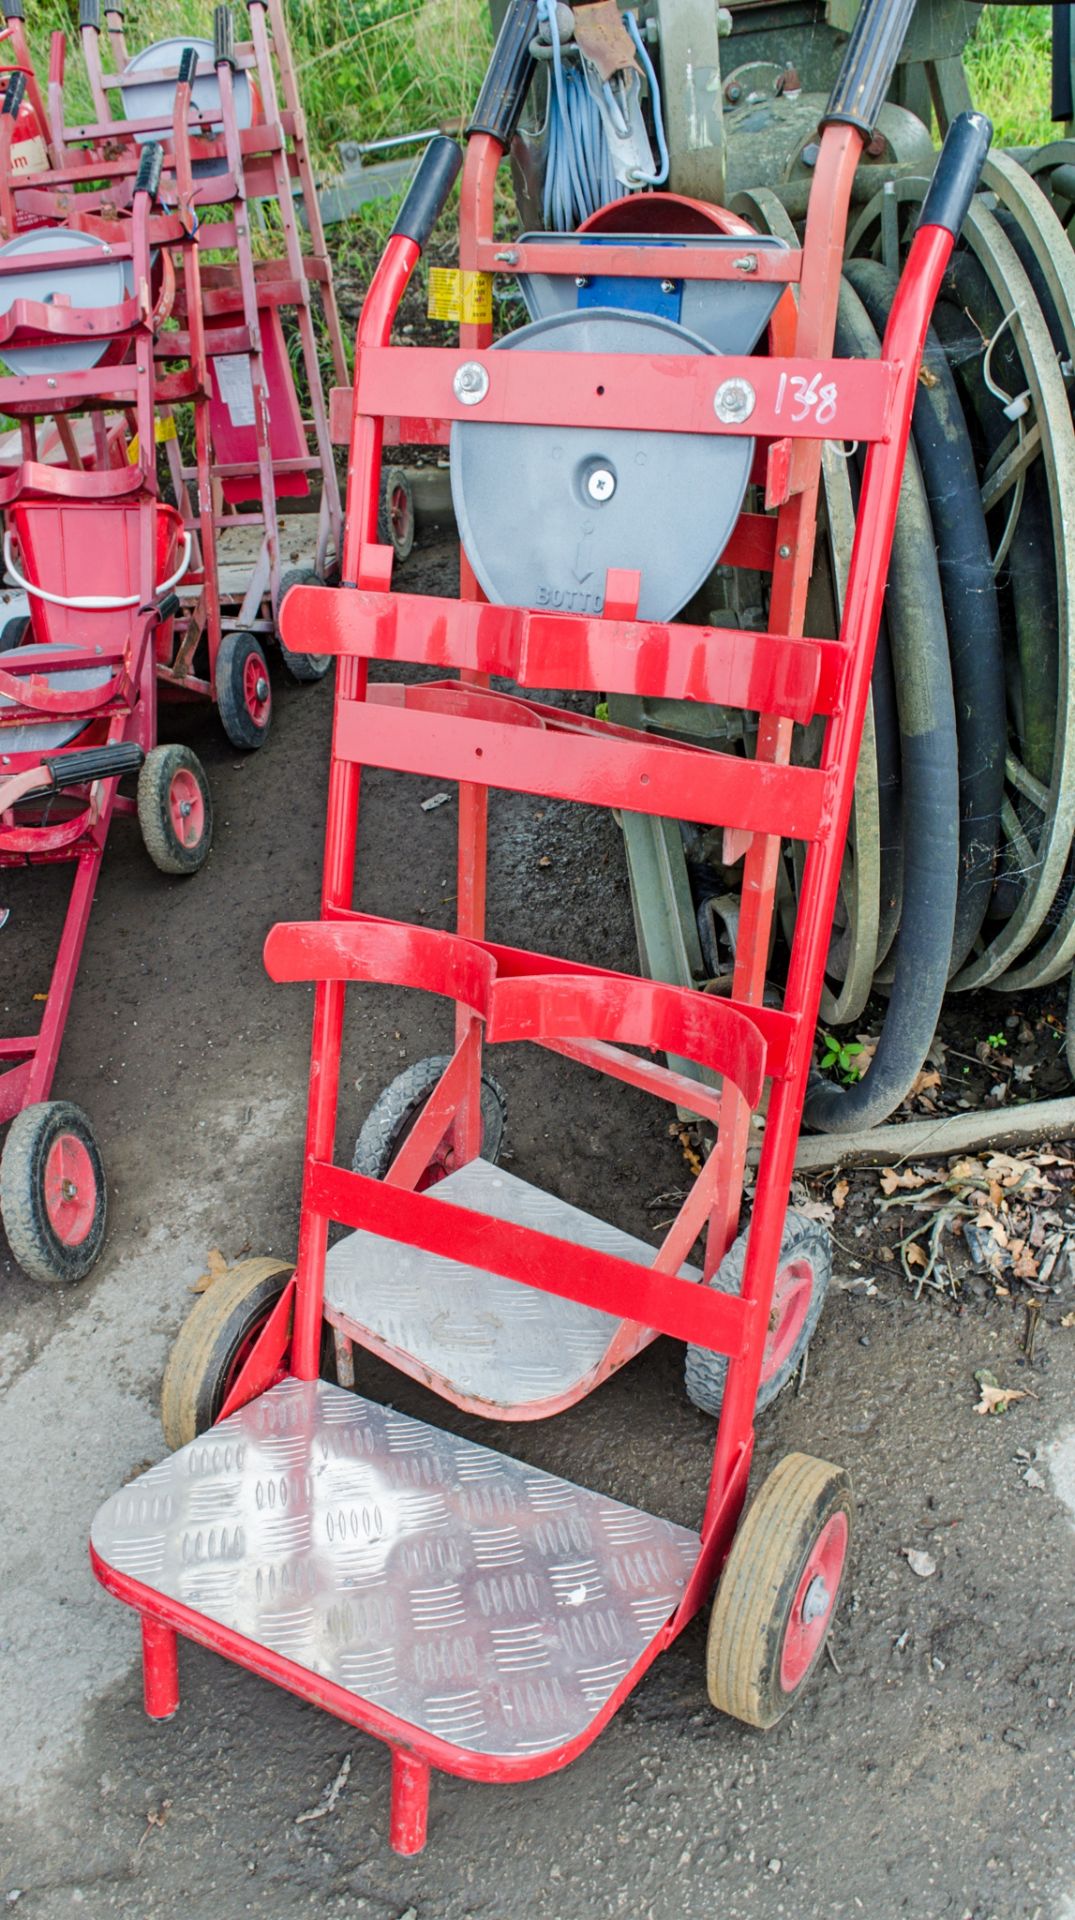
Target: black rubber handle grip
89, 14
94, 763
508, 75
14, 93
428, 191
868, 64
169, 607
223, 37
148, 178
956, 175
14, 10
188, 66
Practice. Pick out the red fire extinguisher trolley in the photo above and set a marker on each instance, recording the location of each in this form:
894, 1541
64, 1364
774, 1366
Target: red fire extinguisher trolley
475, 1614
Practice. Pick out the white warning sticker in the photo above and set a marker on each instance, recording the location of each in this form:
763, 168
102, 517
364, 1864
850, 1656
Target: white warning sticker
236, 388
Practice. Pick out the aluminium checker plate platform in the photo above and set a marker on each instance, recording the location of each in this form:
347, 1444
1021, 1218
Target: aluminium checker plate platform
492, 1340
466, 1594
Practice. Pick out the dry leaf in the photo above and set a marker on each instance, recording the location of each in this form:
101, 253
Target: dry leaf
998, 1399
215, 1267
545, 861
926, 1080
817, 1210
840, 1192
916, 1255
921, 1563
892, 1182
1067, 1319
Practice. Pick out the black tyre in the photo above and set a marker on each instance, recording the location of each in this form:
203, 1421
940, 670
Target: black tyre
395, 515
305, 667
802, 1278
243, 692
52, 1193
214, 1342
395, 1111
14, 632
175, 810
778, 1592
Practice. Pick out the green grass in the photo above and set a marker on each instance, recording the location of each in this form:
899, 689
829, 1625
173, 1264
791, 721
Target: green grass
1008, 66
366, 67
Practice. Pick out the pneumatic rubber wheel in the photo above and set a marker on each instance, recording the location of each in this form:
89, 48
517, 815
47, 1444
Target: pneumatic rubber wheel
175, 809
802, 1278
14, 632
305, 667
213, 1343
396, 1110
52, 1193
395, 515
777, 1595
243, 693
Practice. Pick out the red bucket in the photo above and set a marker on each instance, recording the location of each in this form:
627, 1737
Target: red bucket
85, 551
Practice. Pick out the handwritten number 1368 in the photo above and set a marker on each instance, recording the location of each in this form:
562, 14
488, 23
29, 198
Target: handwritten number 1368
807, 396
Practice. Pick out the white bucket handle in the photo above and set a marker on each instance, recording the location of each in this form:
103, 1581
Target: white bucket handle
92, 602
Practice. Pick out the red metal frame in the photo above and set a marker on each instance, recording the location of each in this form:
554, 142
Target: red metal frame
81, 530
459, 729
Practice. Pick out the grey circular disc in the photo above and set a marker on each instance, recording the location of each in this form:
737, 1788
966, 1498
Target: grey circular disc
544, 512
44, 736
106, 285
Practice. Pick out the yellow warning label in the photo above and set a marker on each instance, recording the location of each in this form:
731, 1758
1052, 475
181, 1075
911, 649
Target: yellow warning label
163, 429
460, 297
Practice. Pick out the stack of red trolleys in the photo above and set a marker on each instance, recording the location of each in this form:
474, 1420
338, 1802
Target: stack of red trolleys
477, 1615
157, 430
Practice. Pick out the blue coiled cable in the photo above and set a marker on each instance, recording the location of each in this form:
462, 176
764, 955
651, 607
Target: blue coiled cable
579, 175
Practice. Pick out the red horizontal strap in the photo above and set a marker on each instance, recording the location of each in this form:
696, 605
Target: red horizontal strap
642, 1013
777, 1028
683, 1309
722, 666
386, 951
35, 476
594, 767
666, 393
574, 255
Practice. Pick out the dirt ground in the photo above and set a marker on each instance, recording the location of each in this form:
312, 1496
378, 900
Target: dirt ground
930, 1768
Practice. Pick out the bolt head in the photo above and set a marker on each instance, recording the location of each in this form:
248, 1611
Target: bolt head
734, 401
668, 286
601, 484
582, 280
471, 383
816, 1600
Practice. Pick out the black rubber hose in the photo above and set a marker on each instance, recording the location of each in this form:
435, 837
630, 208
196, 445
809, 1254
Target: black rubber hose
1026, 583
919, 642
971, 614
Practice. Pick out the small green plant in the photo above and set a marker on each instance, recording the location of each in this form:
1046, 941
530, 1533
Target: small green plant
995, 1040
840, 1058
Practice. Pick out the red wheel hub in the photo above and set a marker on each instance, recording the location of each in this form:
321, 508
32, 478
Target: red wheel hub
792, 1294
256, 691
815, 1597
186, 808
70, 1189
244, 1350
399, 513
